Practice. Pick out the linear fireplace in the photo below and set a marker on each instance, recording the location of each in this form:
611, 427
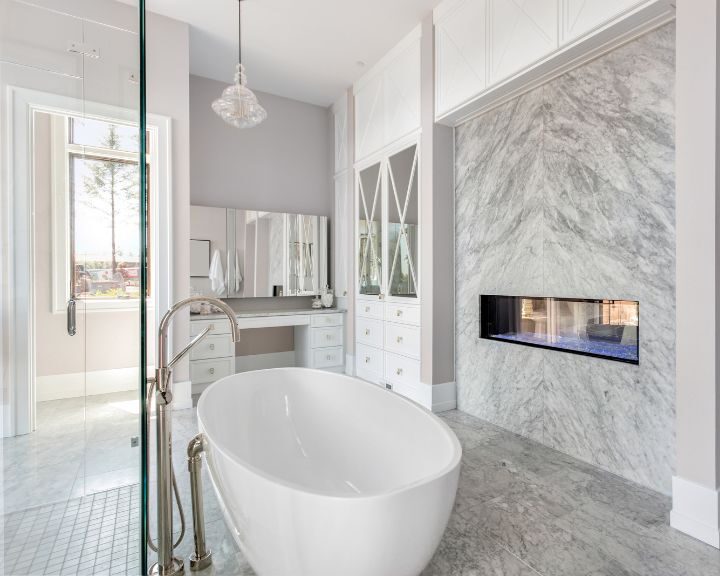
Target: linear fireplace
601, 328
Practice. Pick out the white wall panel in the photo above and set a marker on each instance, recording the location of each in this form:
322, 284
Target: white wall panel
340, 130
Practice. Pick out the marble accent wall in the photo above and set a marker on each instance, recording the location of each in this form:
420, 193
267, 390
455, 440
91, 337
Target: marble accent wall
569, 190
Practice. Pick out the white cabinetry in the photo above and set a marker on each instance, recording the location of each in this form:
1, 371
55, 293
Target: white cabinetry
487, 50
321, 344
387, 322
387, 99
519, 33
460, 51
579, 17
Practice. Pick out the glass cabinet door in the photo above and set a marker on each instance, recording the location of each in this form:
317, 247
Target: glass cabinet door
402, 226
369, 230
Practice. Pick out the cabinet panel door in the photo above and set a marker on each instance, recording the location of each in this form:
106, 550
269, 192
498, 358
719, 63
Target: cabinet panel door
520, 32
401, 89
340, 128
369, 117
341, 228
369, 230
581, 16
460, 54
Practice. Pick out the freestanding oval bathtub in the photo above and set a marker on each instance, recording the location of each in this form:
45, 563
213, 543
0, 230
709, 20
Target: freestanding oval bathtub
321, 474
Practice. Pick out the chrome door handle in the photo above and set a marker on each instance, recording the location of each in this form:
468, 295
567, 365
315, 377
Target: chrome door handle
71, 319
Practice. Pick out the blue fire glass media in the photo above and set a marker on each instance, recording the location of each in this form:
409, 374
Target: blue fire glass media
600, 328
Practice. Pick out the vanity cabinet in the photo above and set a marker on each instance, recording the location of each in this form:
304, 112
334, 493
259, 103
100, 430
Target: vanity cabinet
387, 247
486, 50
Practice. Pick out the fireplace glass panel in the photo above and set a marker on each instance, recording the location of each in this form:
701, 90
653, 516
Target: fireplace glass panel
601, 328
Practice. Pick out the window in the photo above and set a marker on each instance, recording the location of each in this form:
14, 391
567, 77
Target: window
96, 199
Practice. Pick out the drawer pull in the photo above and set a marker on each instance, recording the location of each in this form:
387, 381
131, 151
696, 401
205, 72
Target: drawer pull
212, 346
328, 357
398, 313
399, 339
367, 309
367, 331
367, 359
212, 326
328, 336
212, 370
398, 371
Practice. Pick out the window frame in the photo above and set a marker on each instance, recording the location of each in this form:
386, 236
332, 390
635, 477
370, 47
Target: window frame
62, 152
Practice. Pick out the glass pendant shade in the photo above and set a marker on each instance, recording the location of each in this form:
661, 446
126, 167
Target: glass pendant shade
238, 106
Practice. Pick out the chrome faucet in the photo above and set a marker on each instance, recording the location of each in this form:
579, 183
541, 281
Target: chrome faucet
167, 565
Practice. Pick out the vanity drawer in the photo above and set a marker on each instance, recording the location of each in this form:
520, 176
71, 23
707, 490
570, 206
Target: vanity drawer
217, 326
328, 357
369, 331
326, 337
402, 339
402, 371
219, 346
370, 309
402, 313
202, 371
369, 363
326, 320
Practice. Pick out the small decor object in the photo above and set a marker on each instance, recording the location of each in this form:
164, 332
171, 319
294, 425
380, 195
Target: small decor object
327, 298
238, 106
316, 303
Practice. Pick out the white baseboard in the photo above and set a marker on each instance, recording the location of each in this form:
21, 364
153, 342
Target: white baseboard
350, 364
444, 397
696, 511
75, 385
264, 361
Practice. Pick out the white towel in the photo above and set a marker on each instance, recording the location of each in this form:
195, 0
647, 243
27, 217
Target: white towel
238, 276
217, 276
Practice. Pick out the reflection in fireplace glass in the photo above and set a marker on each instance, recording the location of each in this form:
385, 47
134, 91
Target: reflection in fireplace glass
603, 328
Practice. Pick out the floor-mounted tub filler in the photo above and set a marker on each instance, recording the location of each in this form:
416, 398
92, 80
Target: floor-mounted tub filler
321, 474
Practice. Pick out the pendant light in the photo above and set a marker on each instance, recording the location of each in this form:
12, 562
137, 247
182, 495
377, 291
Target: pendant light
238, 106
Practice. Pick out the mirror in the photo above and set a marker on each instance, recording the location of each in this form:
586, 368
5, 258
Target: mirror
403, 237
369, 229
261, 254
199, 258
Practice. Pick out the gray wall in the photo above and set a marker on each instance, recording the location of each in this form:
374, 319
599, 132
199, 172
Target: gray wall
569, 190
282, 165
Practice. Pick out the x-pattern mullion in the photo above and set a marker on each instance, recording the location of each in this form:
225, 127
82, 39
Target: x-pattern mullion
403, 214
369, 244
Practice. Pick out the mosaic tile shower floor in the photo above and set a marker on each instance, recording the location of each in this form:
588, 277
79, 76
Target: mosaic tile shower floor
96, 534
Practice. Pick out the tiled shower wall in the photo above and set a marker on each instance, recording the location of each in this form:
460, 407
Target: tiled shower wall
569, 190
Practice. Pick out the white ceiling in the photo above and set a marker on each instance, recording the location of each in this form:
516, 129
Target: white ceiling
307, 50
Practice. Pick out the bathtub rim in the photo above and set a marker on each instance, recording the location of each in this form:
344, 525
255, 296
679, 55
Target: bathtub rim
455, 458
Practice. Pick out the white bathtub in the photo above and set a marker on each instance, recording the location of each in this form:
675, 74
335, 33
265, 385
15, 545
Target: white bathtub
320, 474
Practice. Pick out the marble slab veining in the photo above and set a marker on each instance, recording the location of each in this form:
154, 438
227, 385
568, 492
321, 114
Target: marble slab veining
569, 190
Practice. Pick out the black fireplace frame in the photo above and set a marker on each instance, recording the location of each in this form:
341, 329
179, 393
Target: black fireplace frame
484, 309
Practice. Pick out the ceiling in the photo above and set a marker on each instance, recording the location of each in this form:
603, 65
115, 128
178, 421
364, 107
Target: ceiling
307, 50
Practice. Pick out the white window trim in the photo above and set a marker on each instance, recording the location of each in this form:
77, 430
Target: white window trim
60, 158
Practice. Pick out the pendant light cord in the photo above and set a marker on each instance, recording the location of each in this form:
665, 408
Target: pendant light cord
239, 32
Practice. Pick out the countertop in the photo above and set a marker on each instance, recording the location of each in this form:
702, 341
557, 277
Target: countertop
265, 313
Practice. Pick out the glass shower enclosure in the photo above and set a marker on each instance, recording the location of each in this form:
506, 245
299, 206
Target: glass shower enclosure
75, 154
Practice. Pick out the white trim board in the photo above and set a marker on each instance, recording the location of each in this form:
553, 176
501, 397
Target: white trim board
696, 511
79, 384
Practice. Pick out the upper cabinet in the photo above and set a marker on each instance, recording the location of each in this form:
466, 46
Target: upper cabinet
460, 52
387, 99
519, 32
579, 17
486, 50
340, 131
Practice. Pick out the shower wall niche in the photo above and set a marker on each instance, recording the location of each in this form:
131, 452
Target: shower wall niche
601, 328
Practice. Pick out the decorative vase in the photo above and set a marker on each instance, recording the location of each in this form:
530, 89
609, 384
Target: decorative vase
327, 299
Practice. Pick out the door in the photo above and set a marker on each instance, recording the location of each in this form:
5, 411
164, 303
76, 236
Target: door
75, 268
369, 231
